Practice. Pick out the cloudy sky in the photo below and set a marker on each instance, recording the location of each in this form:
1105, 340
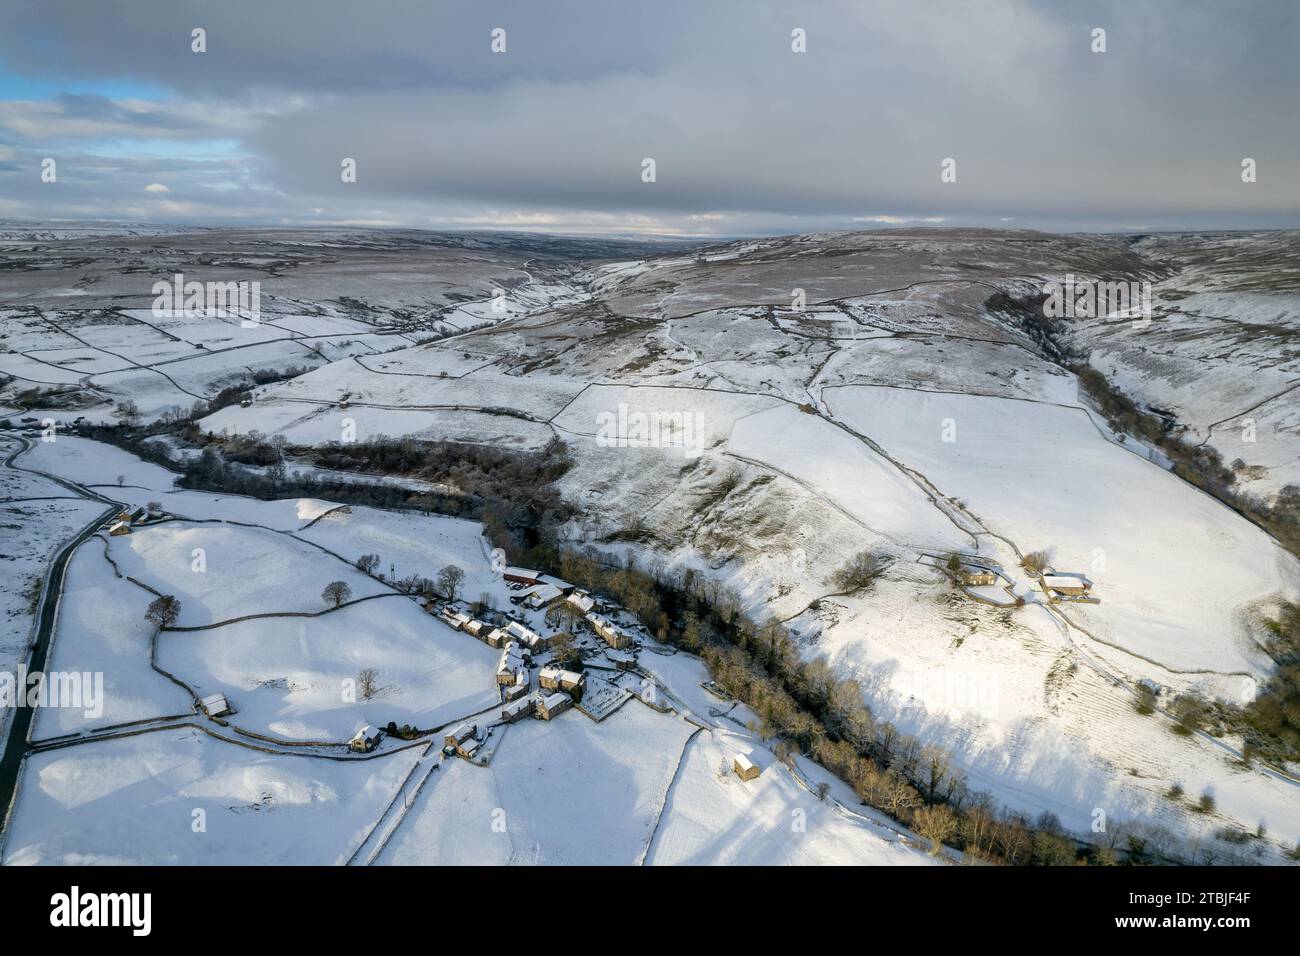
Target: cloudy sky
748, 136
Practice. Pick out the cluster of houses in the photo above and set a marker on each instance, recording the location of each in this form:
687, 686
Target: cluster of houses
123, 522
541, 706
558, 688
489, 634
535, 591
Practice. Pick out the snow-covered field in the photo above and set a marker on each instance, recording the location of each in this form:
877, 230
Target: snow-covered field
139, 800
714, 817
1174, 569
102, 630
290, 677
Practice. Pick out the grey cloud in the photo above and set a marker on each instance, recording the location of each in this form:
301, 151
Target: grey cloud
1044, 132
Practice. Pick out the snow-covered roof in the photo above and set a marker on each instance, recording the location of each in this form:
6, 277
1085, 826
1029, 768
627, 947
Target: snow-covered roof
743, 762
511, 659
542, 593
1065, 581
583, 602
461, 732
556, 700
513, 572
551, 672
523, 632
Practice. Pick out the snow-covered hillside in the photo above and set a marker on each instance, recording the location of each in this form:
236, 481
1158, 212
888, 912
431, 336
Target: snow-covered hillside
759, 412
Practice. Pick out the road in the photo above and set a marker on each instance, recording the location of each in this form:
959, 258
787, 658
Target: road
47, 613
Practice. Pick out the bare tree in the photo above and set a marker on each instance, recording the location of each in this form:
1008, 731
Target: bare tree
163, 611
859, 571
366, 683
566, 652
336, 592
450, 579
128, 411
563, 615
1035, 562
936, 824
367, 563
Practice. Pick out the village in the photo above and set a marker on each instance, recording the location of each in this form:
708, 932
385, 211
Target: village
582, 657
586, 662
561, 648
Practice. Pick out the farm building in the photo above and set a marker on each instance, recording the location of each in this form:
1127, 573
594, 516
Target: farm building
462, 733
745, 768
1067, 583
555, 678
608, 631
520, 576
497, 637
517, 710
216, 705
548, 708
364, 741
119, 528
475, 628
539, 595
583, 601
